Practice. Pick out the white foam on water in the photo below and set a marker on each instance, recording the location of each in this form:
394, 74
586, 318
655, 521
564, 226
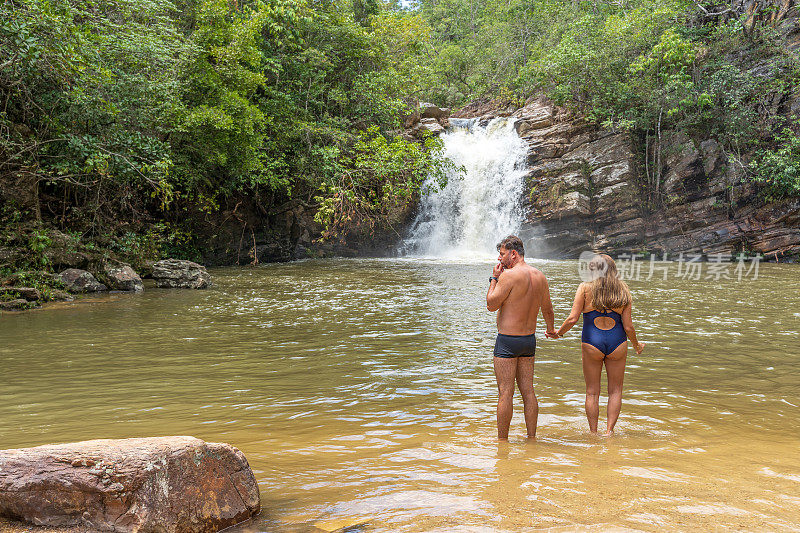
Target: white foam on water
482, 201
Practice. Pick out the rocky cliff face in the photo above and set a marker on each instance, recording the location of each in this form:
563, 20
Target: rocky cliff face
587, 191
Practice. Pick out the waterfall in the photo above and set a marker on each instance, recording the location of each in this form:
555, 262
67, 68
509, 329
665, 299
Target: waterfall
482, 201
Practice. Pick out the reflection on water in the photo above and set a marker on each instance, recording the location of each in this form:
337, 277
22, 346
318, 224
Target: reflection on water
362, 391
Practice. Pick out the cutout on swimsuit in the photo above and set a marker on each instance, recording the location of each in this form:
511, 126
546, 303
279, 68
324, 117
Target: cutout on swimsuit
605, 323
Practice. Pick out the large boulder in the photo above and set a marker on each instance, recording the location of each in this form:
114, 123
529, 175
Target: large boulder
432, 125
77, 280
179, 273
121, 277
155, 484
428, 110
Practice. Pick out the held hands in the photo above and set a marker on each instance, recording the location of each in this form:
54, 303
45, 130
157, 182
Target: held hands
552, 334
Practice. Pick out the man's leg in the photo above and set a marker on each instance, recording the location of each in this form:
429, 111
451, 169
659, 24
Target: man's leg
505, 369
525, 384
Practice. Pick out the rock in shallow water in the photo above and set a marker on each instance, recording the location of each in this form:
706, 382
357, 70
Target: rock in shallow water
122, 277
77, 280
179, 273
155, 484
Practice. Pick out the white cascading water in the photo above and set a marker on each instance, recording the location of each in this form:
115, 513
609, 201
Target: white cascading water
481, 203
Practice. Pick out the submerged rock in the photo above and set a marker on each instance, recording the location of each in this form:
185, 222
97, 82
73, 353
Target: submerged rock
122, 277
76, 280
179, 273
163, 484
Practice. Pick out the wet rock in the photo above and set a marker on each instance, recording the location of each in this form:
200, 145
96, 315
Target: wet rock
432, 125
27, 293
179, 273
17, 304
156, 484
76, 280
122, 277
538, 118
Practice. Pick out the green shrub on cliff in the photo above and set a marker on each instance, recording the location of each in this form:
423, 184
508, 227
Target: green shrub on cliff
778, 169
371, 189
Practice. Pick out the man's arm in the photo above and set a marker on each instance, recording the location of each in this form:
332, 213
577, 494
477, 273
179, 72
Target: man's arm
498, 292
547, 309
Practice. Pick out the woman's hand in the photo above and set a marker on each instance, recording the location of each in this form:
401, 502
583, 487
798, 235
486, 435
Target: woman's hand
639, 347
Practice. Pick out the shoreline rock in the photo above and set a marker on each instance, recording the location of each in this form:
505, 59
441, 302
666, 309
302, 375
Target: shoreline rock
168, 484
179, 273
122, 277
77, 280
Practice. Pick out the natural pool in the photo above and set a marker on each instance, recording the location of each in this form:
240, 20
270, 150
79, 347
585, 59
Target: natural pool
362, 391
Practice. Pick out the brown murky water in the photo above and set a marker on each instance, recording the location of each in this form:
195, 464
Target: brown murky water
362, 391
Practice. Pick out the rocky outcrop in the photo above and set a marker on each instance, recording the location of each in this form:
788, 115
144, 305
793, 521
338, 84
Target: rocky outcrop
17, 304
157, 484
588, 189
26, 293
425, 119
122, 277
179, 273
77, 280
19, 298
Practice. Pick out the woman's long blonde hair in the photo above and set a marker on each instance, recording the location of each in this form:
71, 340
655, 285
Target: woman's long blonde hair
608, 291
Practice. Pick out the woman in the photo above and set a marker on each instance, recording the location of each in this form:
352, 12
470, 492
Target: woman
605, 302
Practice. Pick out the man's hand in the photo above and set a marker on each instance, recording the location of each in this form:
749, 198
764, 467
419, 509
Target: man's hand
498, 269
551, 334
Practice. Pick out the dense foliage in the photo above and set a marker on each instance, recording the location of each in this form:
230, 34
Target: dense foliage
142, 110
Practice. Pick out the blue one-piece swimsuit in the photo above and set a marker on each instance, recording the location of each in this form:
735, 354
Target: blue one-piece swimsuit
605, 340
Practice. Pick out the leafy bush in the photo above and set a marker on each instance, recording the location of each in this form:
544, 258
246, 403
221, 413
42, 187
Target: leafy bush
778, 169
371, 188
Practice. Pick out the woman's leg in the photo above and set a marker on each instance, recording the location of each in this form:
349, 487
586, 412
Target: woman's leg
615, 373
592, 368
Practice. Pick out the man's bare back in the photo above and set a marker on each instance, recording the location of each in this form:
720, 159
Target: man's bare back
518, 292
527, 290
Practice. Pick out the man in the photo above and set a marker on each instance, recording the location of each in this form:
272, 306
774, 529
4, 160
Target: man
518, 291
